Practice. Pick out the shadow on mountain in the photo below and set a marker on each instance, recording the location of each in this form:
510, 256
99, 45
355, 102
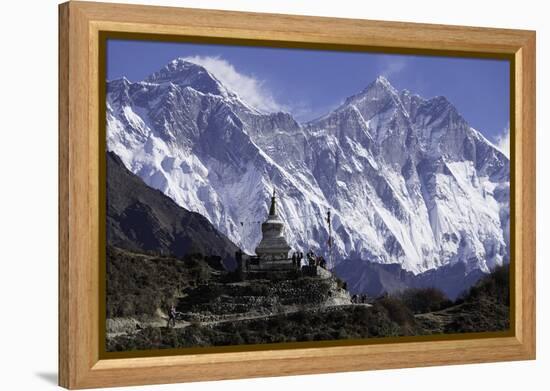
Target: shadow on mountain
142, 219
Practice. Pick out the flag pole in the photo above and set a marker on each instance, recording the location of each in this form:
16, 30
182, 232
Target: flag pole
329, 239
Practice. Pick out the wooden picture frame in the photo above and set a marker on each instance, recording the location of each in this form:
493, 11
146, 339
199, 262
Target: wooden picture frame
81, 364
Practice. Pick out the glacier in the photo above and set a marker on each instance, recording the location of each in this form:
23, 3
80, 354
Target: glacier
406, 179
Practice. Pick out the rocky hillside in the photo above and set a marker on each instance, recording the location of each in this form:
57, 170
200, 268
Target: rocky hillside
141, 288
226, 312
142, 285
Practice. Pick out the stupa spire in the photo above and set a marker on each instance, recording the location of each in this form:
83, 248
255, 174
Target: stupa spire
273, 207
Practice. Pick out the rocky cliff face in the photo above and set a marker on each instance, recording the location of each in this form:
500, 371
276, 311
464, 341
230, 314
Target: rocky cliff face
408, 181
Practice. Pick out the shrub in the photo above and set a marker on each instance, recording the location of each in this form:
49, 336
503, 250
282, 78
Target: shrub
139, 284
396, 309
495, 285
422, 300
486, 306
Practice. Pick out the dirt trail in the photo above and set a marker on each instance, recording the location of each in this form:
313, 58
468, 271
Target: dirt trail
180, 324
264, 316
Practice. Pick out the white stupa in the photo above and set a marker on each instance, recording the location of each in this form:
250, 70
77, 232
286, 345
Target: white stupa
273, 247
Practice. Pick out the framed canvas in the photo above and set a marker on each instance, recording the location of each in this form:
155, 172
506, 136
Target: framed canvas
246, 195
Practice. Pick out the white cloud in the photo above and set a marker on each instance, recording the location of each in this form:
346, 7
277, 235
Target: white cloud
502, 141
250, 89
391, 65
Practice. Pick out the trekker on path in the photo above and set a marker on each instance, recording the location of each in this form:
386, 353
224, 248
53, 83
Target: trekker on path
172, 313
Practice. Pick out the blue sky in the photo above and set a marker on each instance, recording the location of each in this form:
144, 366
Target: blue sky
309, 83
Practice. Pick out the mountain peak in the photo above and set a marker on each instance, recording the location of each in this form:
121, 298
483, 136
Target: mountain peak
379, 85
380, 88
381, 80
181, 63
185, 73
175, 68
121, 81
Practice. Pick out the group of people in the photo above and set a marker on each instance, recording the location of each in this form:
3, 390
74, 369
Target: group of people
316, 260
297, 259
359, 299
312, 259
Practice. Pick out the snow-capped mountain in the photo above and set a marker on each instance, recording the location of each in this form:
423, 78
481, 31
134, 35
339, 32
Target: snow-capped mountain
407, 180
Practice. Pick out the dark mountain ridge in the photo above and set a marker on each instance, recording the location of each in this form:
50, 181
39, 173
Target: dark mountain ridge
375, 279
143, 219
